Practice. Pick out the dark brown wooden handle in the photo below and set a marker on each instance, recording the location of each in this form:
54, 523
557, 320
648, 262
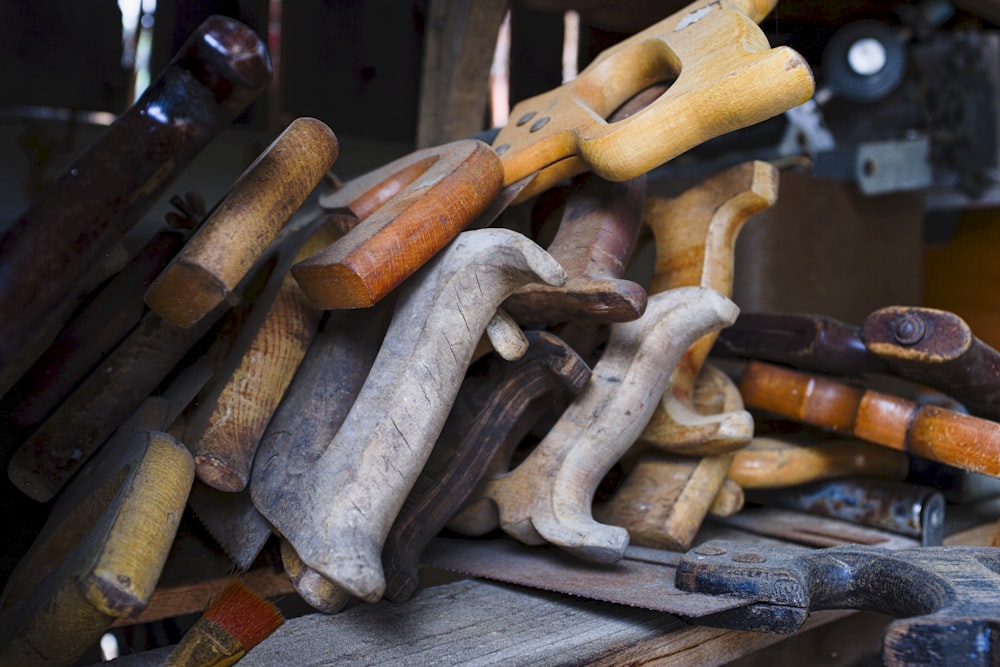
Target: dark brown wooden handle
221, 68
489, 412
105, 321
805, 341
937, 348
597, 232
451, 186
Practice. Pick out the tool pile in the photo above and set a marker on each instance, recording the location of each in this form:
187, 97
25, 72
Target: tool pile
355, 376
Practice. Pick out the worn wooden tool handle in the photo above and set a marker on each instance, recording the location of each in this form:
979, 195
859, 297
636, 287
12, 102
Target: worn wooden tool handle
95, 332
488, 414
433, 195
695, 236
805, 341
215, 75
594, 242
244, 223
724, 76
771, 462
374, 459
314, 408
665, 497
224, 454
101, 552
548, 497
938, 434
937, 348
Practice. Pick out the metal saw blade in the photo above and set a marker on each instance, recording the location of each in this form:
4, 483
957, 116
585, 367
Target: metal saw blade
644, 578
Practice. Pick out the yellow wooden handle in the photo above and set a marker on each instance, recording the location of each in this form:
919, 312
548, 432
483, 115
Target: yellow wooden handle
724, 76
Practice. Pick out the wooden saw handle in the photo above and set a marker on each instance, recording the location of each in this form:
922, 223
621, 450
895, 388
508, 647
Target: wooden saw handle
724, 76
215, 75
244, 223
414, 207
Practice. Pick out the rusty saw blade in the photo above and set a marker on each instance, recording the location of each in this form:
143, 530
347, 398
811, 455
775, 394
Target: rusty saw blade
643, 578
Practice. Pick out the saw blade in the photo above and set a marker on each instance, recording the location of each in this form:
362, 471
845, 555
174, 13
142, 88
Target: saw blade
232, 520
644, 578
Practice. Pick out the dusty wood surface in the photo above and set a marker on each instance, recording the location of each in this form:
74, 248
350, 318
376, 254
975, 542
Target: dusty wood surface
491, 414
482, 623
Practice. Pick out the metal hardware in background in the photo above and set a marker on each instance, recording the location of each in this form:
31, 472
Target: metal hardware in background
899, 507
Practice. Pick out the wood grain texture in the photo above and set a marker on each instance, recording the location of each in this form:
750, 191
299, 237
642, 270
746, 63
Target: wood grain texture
771, 462
224, 453
421, 203
244, 223
737, 81
459, 40
96, 331
938, 348
314, 408
44, 255
594, 242
695, 236
491, 414
370, 465
100, 554
55, 451
938, 434
665, 497
548, 497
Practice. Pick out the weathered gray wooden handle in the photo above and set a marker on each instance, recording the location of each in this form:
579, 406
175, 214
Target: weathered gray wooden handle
354, 489
548, 497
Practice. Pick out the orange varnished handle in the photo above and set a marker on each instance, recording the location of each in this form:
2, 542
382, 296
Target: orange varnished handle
928, 431
724, 76
415, 206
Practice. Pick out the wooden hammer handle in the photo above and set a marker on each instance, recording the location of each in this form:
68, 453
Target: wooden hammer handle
218, 71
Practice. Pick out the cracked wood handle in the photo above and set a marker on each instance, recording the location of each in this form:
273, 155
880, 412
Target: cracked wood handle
695, 237
594, 242
244, 223
224, 454
221, 68
489, 414
357, 485
937, 348
414, 207
100, 554
938, 434
770, 462
724, 76
548, 497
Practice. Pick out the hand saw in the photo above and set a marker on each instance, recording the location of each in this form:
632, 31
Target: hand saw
945, 597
